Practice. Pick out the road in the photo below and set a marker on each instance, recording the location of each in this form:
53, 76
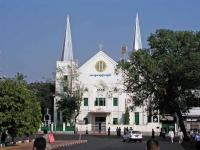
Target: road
103, 142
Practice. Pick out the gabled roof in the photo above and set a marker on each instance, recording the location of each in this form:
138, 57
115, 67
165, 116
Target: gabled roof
100, 53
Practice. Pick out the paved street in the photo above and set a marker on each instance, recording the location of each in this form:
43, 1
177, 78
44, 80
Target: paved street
103, 142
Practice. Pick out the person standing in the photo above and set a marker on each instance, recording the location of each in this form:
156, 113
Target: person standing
152, 134
181, 136
86, 132
109, 131
163, 133
3, 137
117, 131
124, 130
171, 135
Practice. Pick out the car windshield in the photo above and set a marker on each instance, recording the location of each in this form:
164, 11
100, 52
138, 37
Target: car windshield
136, 132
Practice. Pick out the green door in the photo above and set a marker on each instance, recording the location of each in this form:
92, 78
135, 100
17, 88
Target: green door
137, 118
168, 127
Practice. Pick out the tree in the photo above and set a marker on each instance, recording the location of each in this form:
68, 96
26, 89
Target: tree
19, 110
70, 97
19, 78
169, 72
127, 117
44, 92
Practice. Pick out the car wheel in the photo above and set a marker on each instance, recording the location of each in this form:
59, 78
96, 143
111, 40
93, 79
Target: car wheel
129, 140
140, 141
123, 140
135, 141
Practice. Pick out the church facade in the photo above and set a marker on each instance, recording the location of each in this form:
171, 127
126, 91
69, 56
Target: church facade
104, 102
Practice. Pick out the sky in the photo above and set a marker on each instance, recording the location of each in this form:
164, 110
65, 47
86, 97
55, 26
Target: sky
32, 31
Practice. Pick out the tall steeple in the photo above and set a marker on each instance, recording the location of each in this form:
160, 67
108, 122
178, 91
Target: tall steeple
137, 43
67, 53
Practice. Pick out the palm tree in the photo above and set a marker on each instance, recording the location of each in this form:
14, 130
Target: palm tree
19, 78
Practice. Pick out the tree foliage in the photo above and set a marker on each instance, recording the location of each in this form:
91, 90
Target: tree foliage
169, 71
19, 109
44, 92
127, 117
70, 100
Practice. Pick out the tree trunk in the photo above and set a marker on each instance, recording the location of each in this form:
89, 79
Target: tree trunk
75, 122
13, 138
181, 123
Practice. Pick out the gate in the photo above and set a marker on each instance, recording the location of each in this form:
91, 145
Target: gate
99, 127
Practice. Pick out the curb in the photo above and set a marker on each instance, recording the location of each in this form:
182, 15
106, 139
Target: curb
14, 143
69, 144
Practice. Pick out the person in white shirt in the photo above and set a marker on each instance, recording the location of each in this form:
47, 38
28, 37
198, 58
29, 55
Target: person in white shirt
181, 136
171, 135
198, 141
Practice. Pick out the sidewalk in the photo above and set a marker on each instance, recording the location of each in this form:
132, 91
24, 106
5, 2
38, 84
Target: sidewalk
56, 144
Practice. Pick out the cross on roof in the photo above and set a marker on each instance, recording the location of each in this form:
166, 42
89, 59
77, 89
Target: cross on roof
100, 46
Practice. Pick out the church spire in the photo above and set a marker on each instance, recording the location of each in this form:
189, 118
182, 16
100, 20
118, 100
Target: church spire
67, 53
137, 43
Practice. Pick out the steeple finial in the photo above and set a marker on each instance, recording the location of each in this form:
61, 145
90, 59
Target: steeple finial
67, 53
137, 43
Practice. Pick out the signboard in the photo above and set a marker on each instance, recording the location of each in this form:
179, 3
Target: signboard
81, 122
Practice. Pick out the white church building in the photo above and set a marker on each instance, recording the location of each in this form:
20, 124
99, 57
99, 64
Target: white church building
104, 102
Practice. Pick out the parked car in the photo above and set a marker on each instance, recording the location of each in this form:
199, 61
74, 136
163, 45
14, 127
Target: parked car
132, 136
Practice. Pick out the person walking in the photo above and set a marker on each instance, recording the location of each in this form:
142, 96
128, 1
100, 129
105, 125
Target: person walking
194, 134
152, 134
198, 141
109, 131
46, 136
181, 136
171, 135
191, 132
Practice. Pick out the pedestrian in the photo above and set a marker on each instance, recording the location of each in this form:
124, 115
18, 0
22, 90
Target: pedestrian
124, 130
193, 136
152, 145
163, 133
181, 136
171, 135
191, 132
109, 131
46, 136
117, 131
198, 141
86, 131
39, 143
152, 134
76, 131
3, 137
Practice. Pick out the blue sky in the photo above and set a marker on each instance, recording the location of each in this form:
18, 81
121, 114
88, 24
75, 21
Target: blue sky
32, 31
